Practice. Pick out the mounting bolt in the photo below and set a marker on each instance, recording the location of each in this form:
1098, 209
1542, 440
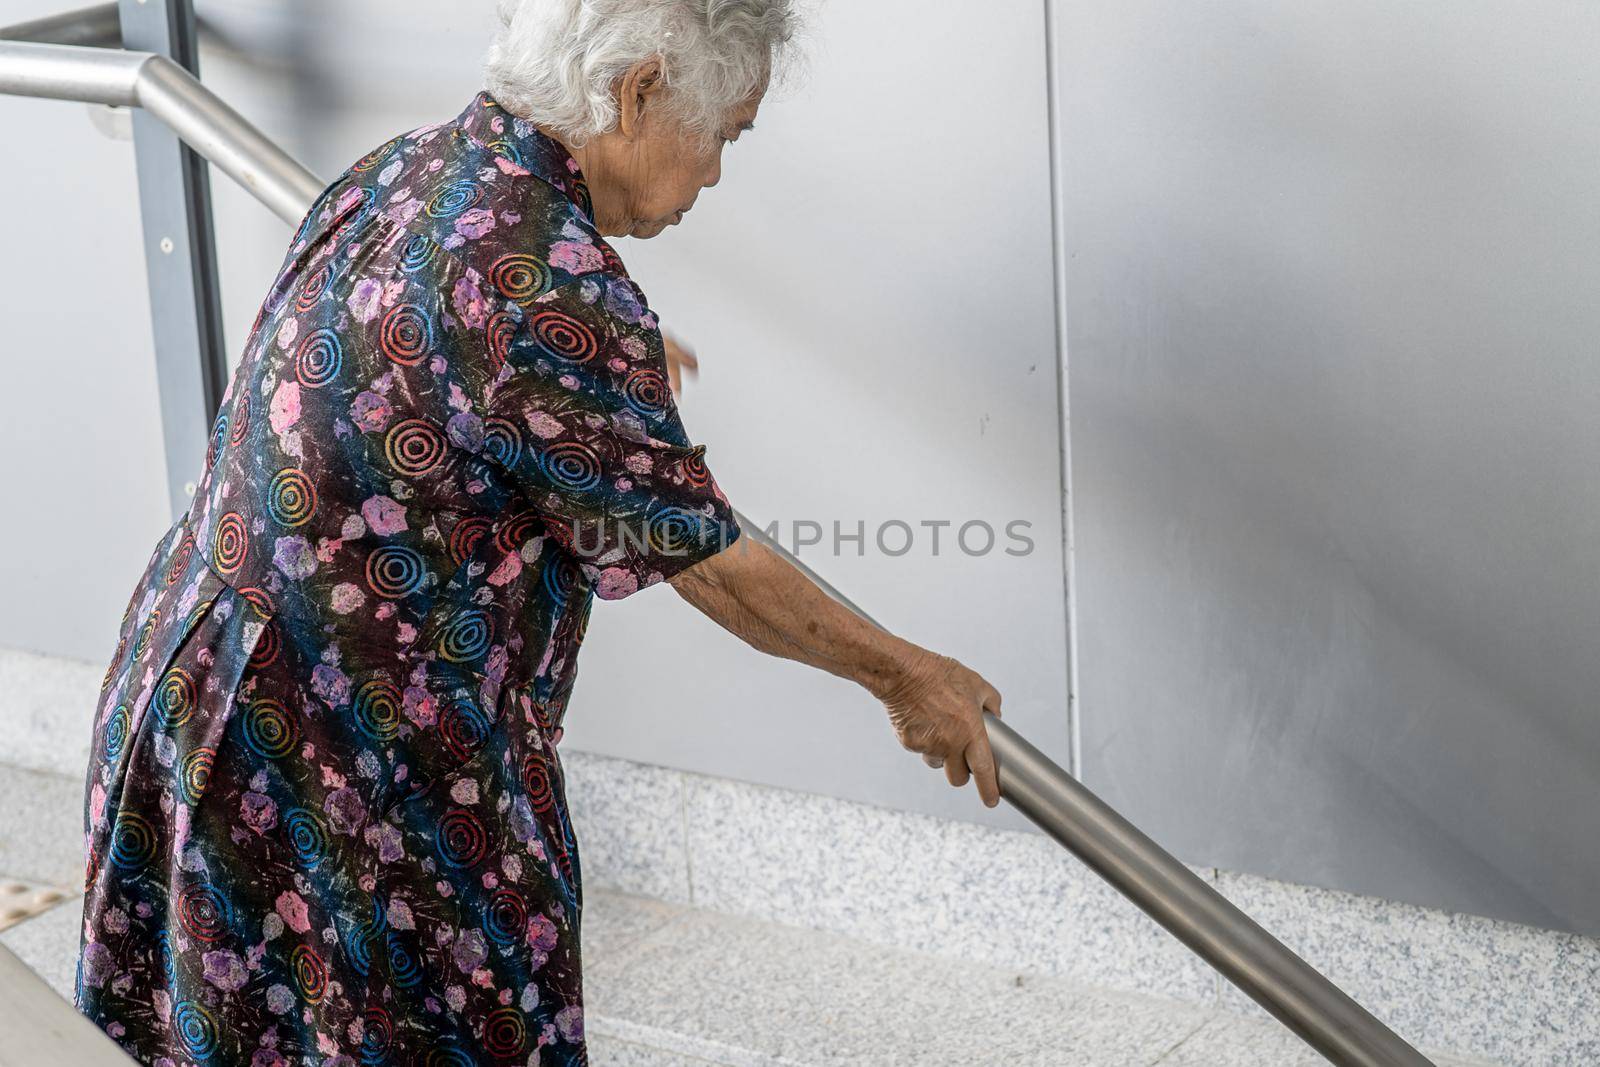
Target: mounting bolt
167, 245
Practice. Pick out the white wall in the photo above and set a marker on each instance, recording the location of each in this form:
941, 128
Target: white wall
82, 476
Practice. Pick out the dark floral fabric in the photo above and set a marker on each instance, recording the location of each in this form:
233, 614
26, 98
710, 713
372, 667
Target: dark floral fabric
325, 816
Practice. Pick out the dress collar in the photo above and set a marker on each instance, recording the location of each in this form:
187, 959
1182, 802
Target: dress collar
526, 147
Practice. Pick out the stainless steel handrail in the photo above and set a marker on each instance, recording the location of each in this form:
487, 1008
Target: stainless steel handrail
97, 25
173, 95
1181, 901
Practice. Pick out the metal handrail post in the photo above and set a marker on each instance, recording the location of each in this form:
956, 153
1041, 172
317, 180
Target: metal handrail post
1157, 882
98, 25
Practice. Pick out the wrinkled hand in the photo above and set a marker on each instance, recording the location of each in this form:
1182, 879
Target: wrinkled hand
936, 708
679, 359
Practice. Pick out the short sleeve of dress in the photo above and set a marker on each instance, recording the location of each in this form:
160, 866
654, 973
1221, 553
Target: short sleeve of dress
582, 418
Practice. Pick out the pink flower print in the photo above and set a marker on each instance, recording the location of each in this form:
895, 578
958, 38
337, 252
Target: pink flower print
331, 684
291, 908
542, 933
470, 306
348, 199
420, 706
576, 257
569, 1021
285, 410
347, 597
258, 811
545, 425
370, 412
384, 515
365, 300
471, 950
508, 570
294, 557
615, 583
225, 970
346, 812
622, 301
475, 223
98, 964
385, 837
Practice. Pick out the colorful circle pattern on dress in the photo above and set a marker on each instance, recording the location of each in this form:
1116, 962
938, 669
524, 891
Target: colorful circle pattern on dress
646, 391
196, 774
466, 637
461, 838
174, 699
377, 708
230, 544
502, 328
502, 441
318, 359
308, 836
133, 841
414, 447
519, 276
203, 912
310, 973
465, 535
455, 198
464, 728
406, 335
291, 497
394, 571
268, 729
196, 1028
571, 465
564, 336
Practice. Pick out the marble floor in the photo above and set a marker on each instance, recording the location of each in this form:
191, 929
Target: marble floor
672, 985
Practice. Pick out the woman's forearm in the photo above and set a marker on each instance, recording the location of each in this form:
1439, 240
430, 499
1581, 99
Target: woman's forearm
764, 600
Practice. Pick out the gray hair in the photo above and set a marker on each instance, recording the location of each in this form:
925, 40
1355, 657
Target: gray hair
556, 62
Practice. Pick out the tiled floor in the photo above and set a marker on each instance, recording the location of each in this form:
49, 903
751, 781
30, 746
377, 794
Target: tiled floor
673, 986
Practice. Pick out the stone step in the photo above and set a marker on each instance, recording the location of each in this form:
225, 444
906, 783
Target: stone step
672, 986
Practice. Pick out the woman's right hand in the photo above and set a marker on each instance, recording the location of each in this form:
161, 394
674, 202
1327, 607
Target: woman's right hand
936, 707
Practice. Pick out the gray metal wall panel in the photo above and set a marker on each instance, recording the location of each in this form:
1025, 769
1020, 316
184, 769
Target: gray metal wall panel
1332, 315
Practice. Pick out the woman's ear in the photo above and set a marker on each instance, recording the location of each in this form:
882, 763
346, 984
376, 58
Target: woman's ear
643, 81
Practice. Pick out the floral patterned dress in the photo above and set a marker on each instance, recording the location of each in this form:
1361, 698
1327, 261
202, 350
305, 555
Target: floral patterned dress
325, 816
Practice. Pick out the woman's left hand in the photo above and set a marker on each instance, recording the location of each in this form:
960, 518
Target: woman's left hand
679, 359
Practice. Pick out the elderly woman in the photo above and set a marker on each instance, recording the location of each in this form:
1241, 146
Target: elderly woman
326, 818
